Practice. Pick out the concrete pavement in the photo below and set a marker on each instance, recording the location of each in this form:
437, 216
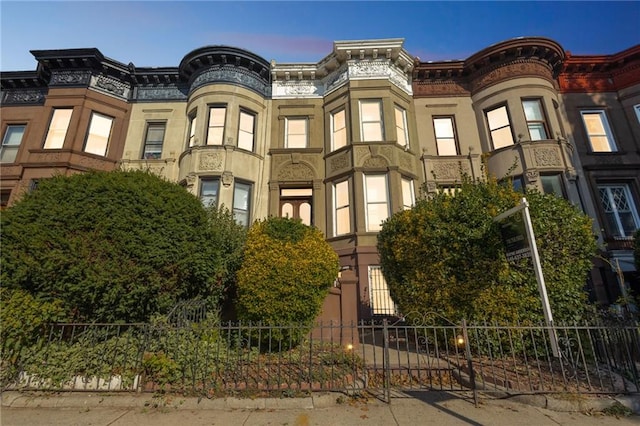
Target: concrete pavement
416, 408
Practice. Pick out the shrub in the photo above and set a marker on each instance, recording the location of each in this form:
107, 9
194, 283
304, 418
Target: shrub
287, 272
112, 246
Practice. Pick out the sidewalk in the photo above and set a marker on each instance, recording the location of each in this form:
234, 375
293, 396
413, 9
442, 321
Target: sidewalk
419, 408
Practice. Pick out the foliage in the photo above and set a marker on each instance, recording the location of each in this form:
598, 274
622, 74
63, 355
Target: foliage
446, 255
22, 320
287, 272
636, 249
113, 246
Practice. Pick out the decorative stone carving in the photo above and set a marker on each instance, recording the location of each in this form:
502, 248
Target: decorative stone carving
532, 176
24, 96
69, 78
304, 88
546, 157
516, 68
93, 163
210, 161
375, 162
386, 151
369, 69
449, 170
234, 75
111, 85
339, 162
227, 178
49, 157
336, 79
406, 161
295, 172
295, 157
440, 88
571, 175
169, 92
432, 187
359, 153
191, 180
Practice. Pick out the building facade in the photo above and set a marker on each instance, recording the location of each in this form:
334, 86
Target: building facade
345, 142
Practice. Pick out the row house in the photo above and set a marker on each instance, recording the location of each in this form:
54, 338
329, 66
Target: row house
344, 143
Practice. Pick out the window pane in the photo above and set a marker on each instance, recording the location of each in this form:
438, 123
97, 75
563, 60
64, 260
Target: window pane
533, 110
408, 198
342, 194
296, 192
376, 188
241, 194
154, 140
376, 213
376, 201
339, 120
593, 122
192, 131
600, 143
379, 296
401, 126
209, 192
245, 134
287, 210
371, 132
370, 110
443, 127
214, 136
598, 131
537, 131
11, 142
99, 132
305, 213
620, 210
498, 118
216, 116
58, 128
296, 133
343, 226
552, 184
215, 133
502, 137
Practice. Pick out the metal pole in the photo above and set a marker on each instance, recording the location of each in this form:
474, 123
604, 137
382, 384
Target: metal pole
537, 267
385, 361
472, 376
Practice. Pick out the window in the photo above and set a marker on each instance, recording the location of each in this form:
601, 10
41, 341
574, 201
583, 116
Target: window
296, 203
598, 131
246, 130
445, 136
371, 120
500, 127
379, 297
5, 195
296, 132
536, 123
338, 130
619, 209
341, 214
401, 127
99, 132
209, 192
215, 133
408, 196
376, 201
192, 130
637, 109
153, 141
552, 184
11, 142
58, 128
241, 203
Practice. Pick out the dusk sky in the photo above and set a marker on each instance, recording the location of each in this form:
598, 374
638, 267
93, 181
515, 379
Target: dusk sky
161, 33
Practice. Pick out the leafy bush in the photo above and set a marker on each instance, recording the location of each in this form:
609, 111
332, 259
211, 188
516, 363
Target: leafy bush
113, 246
287, 272
446, 255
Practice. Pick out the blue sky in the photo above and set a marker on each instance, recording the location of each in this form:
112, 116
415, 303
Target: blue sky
161, 33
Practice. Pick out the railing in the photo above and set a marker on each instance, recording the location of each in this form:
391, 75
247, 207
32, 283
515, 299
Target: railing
377, 357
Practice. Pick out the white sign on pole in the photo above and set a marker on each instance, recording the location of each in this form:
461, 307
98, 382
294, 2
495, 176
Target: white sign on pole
515, 243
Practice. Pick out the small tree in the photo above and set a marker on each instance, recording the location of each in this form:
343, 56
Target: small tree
446, 255
112, 246
287, 272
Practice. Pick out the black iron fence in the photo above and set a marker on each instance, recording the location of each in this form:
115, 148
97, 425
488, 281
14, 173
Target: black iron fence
210, 359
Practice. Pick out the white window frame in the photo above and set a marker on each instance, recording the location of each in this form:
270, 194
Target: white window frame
608, 134
375, 122
637, 110
620, 231
152, 149
213, 199
193, 121
408, 194
97, 141
380, 299
373, 200
242, 192
11, 144
290, 137
215, 130
338, 134
341, 192
246, 137
402, 132
446, 144
58, 128
497, 128
536, 123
